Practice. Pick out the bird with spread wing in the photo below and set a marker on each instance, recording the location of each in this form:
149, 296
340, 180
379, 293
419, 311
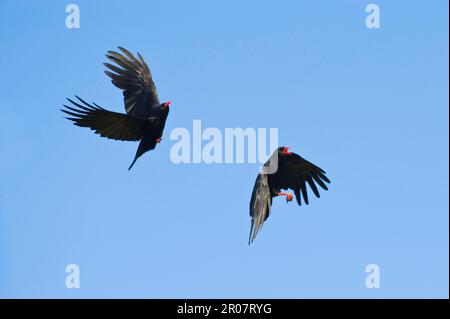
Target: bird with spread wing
145, 116
290, 171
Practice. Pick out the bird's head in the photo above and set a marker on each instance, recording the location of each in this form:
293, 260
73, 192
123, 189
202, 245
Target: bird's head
166, 104
284, 150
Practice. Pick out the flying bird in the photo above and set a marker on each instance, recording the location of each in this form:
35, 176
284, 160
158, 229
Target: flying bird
145, 116
283, 170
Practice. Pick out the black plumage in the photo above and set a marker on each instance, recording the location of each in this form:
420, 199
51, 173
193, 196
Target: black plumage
145, 116
283, 170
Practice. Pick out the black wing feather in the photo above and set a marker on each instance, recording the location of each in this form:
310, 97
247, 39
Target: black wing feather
260, 205
133, 76
304, 172
108, 124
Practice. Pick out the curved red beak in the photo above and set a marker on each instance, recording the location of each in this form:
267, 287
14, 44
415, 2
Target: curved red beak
167, 104
286, 151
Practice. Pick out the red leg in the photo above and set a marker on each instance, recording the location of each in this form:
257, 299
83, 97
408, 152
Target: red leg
289, 196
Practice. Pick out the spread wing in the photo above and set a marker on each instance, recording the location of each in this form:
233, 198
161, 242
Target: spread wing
108, 124
260, 205
133, 76
296, 172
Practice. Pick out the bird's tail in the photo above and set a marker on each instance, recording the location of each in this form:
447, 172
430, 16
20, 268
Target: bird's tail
134, 161
144, 146
139, 152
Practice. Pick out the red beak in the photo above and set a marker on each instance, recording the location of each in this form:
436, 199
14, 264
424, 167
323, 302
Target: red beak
167, 104
286, 150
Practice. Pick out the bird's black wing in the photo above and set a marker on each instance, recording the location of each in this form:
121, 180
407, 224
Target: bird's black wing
260, 205
108, 124
295, 173
133, 76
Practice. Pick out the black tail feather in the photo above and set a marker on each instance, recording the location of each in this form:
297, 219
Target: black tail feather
134, 161
139, 152
144, 146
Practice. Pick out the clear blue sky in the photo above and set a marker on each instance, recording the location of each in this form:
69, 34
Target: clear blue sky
369, 106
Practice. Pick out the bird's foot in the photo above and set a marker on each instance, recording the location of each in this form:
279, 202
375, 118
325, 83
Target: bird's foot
158, 140
289, 196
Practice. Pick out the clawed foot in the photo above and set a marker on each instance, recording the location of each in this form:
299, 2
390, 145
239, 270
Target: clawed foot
289, 196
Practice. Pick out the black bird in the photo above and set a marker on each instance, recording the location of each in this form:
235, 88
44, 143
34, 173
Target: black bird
283, 170
145, 116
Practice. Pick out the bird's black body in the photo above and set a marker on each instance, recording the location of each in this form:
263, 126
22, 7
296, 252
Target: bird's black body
292, 172
145, 116
151, 135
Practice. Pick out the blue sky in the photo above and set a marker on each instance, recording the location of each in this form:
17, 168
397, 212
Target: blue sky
369, 106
